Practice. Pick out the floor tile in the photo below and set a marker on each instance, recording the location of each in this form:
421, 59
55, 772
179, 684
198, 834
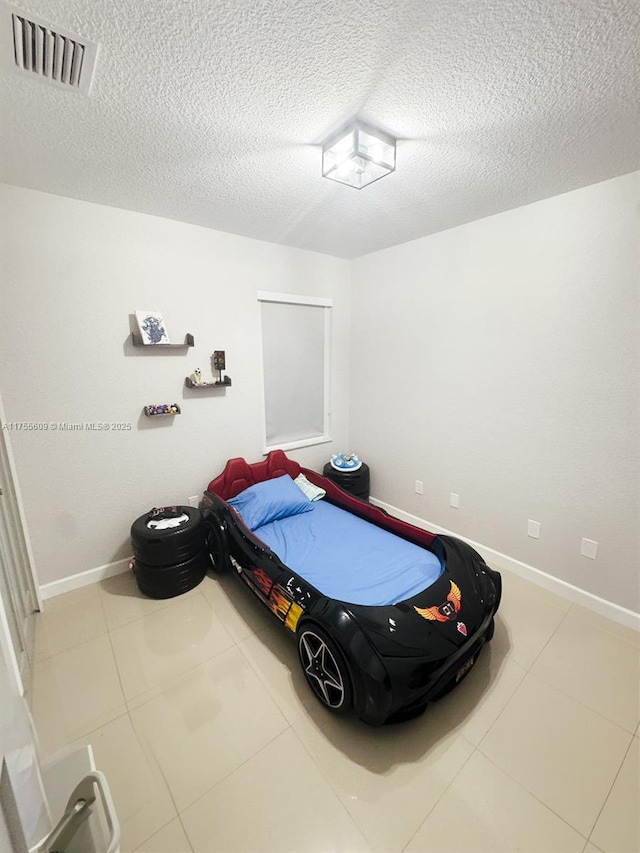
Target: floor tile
597, 666
561, 751
273, 654
474, 705
166, 644
618, 827
277, 802
237, 608
389, 777
141, 797
595, 620
485, 811
44, 703
82, 687
203, 726
67, 620
123, 602
591, 848
526, 620
170, 839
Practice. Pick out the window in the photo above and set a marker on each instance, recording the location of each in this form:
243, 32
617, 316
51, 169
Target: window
296, 367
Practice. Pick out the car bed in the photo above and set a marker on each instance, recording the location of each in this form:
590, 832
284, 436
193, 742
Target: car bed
387, 616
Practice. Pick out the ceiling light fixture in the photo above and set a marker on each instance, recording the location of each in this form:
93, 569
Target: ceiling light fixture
358, 155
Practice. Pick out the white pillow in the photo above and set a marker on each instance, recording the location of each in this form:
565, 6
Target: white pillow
314, 493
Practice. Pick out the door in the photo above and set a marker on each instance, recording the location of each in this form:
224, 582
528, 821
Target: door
24, 816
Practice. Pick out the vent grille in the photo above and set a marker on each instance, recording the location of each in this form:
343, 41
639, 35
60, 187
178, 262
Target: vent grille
52, 54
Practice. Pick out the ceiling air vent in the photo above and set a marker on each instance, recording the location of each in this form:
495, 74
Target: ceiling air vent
50, 54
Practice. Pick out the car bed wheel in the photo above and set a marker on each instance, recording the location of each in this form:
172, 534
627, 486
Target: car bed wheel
324, 668
217, 546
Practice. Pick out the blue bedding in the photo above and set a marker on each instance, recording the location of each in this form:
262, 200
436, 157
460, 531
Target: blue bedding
349, 559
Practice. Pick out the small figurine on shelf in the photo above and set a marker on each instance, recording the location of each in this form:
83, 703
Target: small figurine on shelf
162, 409
218, 361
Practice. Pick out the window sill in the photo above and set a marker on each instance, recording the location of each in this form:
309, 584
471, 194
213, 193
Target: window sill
294, 445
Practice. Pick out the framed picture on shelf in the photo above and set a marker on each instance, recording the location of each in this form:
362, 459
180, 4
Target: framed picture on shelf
152, 327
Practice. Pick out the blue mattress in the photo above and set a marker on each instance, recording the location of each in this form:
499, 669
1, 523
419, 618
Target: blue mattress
349, 559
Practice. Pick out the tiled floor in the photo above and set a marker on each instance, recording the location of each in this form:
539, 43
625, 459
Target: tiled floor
212, 742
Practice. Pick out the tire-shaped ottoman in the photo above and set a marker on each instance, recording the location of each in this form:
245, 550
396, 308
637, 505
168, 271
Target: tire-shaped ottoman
170, 556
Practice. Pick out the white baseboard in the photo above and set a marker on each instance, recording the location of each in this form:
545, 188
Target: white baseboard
501, 561
48, 590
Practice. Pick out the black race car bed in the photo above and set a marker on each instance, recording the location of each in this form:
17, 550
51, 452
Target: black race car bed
385, 659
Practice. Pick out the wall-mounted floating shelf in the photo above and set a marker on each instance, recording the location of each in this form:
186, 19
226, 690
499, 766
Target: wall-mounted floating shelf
138, 342
224, 383
162, 409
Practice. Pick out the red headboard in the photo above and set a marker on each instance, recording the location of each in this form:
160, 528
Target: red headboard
238, 475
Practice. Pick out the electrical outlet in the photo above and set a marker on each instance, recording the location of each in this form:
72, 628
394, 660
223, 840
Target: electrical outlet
419, 487
454, 500
194, 500
533, 529
589, 548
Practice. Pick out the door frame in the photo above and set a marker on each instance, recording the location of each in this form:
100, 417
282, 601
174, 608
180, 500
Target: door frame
21, 599
17, 525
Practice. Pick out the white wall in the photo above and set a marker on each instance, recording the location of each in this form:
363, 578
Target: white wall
73, 273
499, 360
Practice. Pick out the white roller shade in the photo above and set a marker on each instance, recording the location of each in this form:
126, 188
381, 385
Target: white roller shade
295, 359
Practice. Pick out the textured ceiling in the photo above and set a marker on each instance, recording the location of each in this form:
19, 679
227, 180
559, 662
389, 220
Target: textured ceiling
211, 111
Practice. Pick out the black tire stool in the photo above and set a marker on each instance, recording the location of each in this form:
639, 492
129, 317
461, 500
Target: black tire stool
169, 561
355, 482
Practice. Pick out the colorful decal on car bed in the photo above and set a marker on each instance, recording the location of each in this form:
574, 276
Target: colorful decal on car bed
296, 592
446, 611
273, 595
262, 579
279, 602
293, 617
